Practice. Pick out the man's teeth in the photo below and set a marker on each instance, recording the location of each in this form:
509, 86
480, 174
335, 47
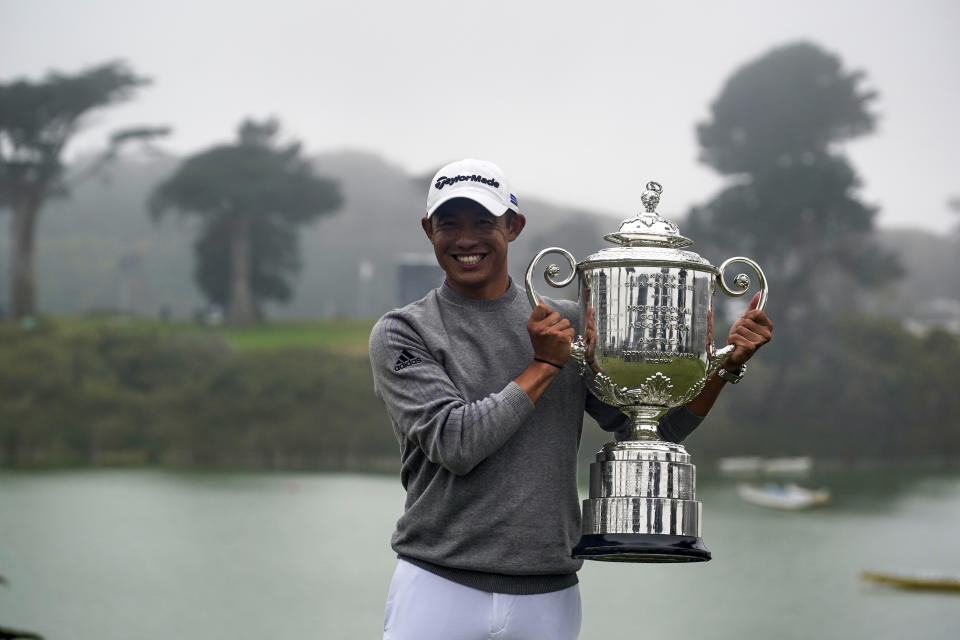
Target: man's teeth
474, 259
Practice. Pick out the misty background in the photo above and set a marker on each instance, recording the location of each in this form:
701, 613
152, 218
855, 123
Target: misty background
580, 105
204, 207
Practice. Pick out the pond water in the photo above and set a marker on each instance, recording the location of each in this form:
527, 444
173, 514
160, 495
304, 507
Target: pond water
153, 555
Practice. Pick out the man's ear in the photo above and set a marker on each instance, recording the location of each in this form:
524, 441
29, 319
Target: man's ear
427, 228
517, 223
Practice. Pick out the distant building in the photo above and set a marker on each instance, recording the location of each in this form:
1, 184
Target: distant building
942, 313
417, 273
130, 284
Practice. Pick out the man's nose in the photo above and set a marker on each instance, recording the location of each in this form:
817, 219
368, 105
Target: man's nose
466, 238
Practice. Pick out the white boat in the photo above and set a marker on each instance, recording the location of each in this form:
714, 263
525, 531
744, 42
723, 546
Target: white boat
796, 464
740, 464
790, 496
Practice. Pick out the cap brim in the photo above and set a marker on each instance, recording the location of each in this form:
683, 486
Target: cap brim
480, 196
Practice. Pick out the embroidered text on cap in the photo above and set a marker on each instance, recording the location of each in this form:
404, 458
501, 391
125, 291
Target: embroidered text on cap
443, 181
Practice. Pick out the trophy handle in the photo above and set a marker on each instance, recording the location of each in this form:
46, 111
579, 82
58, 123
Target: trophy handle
716, 358
742, 284
742, 281
550, 273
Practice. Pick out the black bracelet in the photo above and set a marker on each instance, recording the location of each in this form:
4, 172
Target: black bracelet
548, 362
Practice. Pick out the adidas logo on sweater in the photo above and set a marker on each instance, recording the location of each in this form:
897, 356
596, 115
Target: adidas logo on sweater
405, 360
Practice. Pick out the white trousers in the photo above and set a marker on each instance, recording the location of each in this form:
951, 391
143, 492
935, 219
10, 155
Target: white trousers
424, 606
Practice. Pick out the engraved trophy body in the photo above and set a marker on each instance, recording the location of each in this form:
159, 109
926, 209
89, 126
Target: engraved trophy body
652, 302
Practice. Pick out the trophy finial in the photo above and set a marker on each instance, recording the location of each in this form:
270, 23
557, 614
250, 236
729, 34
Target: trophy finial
651, 197
649, 229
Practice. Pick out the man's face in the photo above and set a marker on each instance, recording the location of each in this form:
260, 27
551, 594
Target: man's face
471, 246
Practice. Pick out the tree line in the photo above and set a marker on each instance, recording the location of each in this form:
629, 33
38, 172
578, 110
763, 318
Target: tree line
251, 195
95, 394
776, 132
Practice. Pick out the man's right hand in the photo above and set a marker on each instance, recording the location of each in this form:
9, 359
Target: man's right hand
550, 334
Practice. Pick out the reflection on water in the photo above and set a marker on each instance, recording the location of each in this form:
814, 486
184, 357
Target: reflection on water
153, 555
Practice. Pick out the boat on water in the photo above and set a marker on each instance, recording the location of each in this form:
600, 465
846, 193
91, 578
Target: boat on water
790, 497
799, 465
920, 580
740, 464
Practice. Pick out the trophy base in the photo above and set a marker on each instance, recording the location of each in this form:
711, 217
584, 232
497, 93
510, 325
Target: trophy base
641, 547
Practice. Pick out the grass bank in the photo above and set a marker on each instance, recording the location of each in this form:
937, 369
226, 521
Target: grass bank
95, 391
348, 336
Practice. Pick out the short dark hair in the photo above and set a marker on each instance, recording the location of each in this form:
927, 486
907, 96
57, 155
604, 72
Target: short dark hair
508, 216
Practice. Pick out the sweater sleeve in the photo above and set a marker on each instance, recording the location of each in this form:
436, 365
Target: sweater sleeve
428, 410
678, 423
607, 416
675, 425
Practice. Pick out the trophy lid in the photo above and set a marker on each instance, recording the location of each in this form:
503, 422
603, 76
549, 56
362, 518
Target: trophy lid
648, 239
648, 229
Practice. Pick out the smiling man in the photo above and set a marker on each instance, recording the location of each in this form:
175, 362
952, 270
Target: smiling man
488, 417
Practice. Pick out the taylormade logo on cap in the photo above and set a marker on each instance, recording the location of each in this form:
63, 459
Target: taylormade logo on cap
443, 181
478, 180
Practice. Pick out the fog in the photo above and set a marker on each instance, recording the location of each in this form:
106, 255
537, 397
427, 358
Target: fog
580, 105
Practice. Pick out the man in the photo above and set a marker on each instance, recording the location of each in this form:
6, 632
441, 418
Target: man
488, 416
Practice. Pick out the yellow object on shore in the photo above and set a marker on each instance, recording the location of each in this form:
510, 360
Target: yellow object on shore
920, 580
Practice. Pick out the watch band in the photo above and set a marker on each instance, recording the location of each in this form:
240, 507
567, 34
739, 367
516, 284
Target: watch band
733, 377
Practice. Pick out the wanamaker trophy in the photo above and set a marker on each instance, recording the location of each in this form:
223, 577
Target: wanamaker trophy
652, 301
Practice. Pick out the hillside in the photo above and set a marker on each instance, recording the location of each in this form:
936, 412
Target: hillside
98, 249
932, 263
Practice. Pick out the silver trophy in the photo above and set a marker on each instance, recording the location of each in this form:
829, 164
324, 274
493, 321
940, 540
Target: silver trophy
652, 302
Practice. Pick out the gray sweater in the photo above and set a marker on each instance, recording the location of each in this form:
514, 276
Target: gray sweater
490, 477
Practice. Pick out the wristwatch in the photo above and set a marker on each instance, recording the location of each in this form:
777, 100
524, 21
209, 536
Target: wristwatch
733, 377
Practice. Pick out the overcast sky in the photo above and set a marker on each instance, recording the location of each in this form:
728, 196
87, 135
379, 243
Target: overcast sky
580, 102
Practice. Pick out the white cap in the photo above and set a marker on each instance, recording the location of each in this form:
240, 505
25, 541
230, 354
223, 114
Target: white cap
479, 180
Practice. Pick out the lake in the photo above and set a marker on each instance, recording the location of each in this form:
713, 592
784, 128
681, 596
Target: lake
153, 555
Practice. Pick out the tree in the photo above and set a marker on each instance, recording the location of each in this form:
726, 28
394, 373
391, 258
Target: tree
275, 261
37, 121
251, 196
795, 99
792, 204
775, 129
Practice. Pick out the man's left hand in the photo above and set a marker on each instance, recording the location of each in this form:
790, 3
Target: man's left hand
751, 331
